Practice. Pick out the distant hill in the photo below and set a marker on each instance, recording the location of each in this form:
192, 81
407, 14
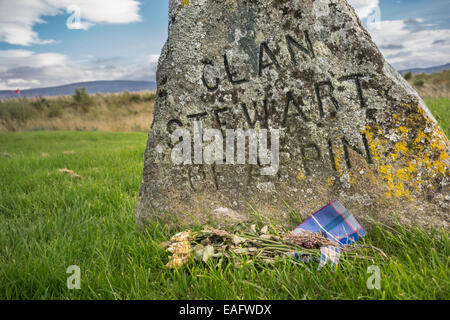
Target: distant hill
426, 70
116, 86
91, 87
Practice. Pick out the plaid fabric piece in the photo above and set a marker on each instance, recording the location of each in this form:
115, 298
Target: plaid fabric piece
305, 257
331, 254
334, 222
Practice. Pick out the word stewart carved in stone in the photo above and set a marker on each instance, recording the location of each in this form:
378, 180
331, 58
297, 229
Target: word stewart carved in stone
351, 128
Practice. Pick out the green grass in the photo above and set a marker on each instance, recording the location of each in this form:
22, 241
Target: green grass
441, 111
49, 221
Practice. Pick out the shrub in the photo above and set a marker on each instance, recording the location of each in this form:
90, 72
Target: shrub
82, 100
418, 83
135, 98
16, 109
126, 98
40, 104
407, 75
55, 111
149, 97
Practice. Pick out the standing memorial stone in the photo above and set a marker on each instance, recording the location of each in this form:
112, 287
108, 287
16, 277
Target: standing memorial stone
348, 126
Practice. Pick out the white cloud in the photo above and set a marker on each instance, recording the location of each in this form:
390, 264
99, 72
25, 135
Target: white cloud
17, 17
406, 44
25, 58
408, 48
27, 69
153, 58
364, 8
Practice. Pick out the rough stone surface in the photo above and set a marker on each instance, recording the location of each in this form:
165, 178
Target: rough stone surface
352, 128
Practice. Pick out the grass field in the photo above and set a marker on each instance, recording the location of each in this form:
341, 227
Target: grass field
50, 220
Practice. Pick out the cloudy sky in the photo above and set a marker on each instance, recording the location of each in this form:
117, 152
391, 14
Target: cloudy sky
43, 43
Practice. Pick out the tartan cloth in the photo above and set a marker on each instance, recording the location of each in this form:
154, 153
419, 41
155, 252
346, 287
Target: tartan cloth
334, 222
331, 254
305, 257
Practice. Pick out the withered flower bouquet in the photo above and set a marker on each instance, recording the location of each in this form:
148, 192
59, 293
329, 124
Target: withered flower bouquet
214, 243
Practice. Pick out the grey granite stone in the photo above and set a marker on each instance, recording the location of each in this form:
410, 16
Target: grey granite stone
351, 127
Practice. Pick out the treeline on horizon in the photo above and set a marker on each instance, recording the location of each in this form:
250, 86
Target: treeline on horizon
81, 111
133, 111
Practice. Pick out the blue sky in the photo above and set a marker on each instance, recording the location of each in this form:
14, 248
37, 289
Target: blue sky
121, 39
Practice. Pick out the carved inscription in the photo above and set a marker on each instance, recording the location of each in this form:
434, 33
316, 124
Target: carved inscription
289, 113
267, 59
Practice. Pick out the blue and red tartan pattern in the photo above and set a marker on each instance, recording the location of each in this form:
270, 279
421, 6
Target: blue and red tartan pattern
334, 222
331, 254
305, 257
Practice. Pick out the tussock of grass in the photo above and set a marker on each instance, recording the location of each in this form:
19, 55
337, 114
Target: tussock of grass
100, 112
441, 111
49, 221
431, 86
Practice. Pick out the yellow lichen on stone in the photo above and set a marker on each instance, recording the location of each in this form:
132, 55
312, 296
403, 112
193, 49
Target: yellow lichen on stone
400, 148
402, 175
399, 191
420, 140
372, 144
397, 179
396, 190
338, 161
330, 181
437, 147
412, 168
404, 130
184, 3
352, 177
301, 176
409, 105
428, 141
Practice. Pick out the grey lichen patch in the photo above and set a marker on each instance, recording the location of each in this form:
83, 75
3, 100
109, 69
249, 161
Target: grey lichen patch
350, 127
